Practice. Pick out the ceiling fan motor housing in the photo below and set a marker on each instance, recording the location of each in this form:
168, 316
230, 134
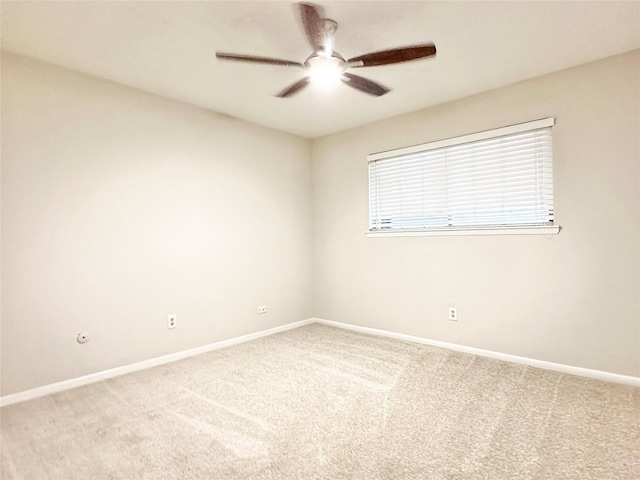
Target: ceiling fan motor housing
318, 60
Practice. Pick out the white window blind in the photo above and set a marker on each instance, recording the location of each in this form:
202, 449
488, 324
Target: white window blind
499, 178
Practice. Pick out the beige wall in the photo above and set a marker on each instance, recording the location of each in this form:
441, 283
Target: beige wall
120, 207
571, 299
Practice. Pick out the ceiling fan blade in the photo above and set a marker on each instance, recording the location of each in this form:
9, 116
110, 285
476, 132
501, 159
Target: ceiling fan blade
312, 21
364, 84
253, 59
393, 55
294, 88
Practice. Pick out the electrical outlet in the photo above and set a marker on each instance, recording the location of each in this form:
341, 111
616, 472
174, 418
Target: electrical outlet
453, 314
262, 309
171, 320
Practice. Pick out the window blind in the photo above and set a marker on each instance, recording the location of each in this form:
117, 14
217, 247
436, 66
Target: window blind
498, 178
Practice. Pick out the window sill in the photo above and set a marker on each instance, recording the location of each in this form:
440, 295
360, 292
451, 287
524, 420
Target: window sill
525, 230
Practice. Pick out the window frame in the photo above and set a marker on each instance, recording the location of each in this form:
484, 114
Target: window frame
548, 229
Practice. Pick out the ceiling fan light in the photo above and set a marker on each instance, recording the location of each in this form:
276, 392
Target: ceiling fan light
325, 71
325, 74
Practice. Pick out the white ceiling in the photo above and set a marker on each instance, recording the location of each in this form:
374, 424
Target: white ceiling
168, 48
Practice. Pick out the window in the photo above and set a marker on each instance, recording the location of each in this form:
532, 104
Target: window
498, 181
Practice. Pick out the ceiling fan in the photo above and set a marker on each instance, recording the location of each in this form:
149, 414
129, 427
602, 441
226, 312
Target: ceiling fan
325, 64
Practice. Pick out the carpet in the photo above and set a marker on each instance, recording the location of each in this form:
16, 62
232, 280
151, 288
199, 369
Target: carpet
320, 402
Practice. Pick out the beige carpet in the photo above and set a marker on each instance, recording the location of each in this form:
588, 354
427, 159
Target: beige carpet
324, 403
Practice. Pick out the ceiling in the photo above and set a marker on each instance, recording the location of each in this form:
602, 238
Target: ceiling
168, 48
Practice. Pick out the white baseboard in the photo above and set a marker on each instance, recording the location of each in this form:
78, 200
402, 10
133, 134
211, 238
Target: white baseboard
153, 362
134, 367
558, 367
